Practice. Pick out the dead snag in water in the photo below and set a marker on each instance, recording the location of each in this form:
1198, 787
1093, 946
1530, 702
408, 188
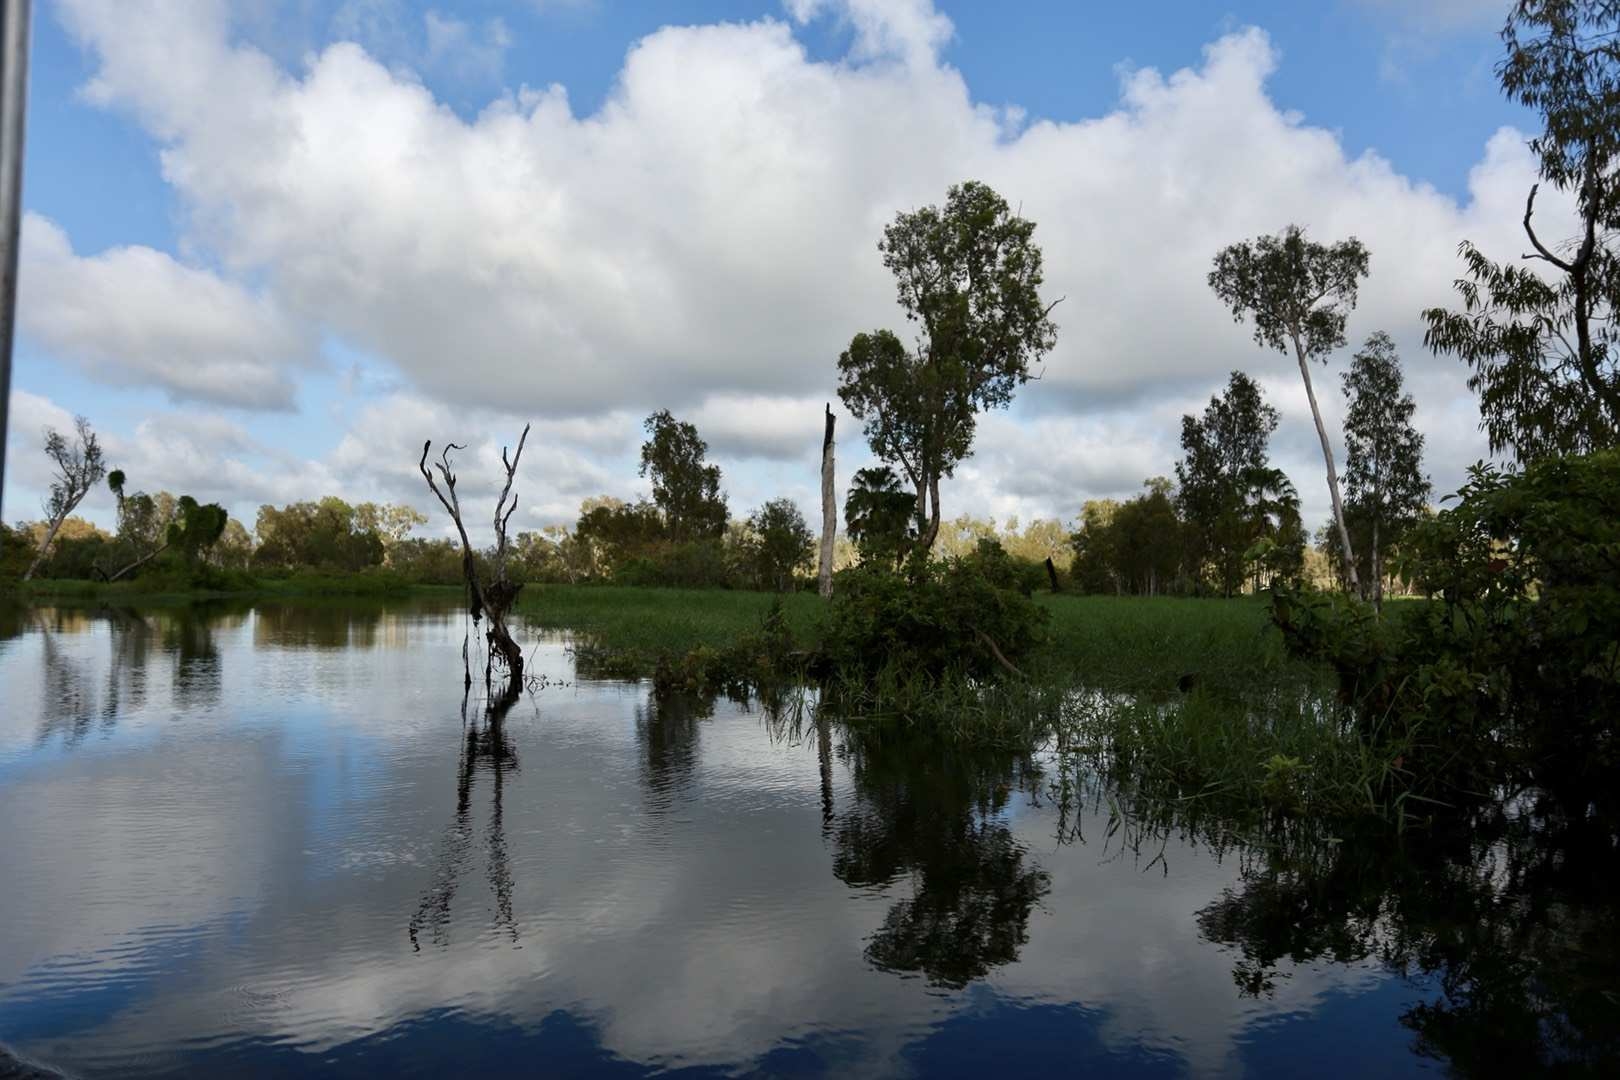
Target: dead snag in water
492, 599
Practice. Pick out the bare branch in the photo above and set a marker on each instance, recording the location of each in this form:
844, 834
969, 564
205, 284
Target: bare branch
1529, 208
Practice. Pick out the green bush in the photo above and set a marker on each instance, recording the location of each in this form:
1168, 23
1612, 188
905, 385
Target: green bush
16, 552
935, 620
1006, 571
695, 564
1515, 661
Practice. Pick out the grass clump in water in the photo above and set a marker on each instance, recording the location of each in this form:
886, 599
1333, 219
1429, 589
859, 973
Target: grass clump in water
1287, 751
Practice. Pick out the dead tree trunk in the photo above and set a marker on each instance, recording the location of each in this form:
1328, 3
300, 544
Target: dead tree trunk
829, 508
140, 562
494, 598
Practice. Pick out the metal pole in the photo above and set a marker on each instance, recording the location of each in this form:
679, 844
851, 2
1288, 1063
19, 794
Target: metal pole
13, 115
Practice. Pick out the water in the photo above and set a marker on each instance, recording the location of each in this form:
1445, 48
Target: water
272, 841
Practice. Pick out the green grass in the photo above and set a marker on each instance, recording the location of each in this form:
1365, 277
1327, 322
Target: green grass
1133, 644
653, 622
1159, 644
1279, 749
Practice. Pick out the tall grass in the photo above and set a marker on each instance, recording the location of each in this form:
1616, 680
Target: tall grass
1278, 750
641, 625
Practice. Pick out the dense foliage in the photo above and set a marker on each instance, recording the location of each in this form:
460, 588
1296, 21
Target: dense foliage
685, 487
1386, 491
1542, 338
962, 617
1231, 498
969, 275
1516, 663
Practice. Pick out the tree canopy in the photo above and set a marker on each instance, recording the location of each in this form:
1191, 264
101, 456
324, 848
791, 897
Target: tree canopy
1229, 495
968, 274
1297, 293
685, 487
879, 516
79, 466
1542, 338
1383, 468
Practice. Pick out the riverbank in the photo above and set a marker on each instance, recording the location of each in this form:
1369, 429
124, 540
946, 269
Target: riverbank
1129, 644
1185, 700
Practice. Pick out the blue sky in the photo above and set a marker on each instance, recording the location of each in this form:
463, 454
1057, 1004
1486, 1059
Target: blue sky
257, 303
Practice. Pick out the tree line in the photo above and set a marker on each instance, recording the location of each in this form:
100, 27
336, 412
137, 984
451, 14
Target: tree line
1537, 335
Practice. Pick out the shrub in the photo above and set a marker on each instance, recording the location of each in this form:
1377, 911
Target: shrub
1516, 659
935, 620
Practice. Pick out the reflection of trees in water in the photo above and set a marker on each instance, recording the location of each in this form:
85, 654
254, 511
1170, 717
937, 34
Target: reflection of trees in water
126, 674
485, 748
932, 813
188, 633
66, 709
667, 728
14, 619
1513, 917
354, 625
69, 706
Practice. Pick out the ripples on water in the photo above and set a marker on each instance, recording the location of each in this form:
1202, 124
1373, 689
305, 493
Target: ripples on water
276, 841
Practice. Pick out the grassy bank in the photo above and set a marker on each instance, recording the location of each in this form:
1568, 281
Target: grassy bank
1129, 644
1192, 701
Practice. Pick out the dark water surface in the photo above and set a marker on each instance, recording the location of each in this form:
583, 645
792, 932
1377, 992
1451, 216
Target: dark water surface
268, 841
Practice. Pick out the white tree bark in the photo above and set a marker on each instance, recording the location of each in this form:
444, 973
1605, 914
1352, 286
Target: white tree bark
829, 508
1332, 473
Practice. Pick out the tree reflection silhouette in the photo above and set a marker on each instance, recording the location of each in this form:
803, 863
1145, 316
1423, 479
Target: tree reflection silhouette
1513, 918
188, 633
485, 748
932, 813
69, 708
667, 727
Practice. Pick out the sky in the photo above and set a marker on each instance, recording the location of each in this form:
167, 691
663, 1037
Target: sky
271, 246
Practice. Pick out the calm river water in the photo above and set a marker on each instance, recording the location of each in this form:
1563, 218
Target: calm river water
268, 841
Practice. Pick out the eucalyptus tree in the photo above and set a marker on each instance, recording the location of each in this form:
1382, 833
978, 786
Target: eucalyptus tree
1543, 338
1383, 452
685, 486
1223, 451
79, 468
969, 275
1299, 295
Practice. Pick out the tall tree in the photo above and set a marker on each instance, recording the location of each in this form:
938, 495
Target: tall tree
1095, 566
685, 487
1300, 295
1544, 340
1383, 468
969, 274
1222, 453
143, 524
79, 467
1146, 540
